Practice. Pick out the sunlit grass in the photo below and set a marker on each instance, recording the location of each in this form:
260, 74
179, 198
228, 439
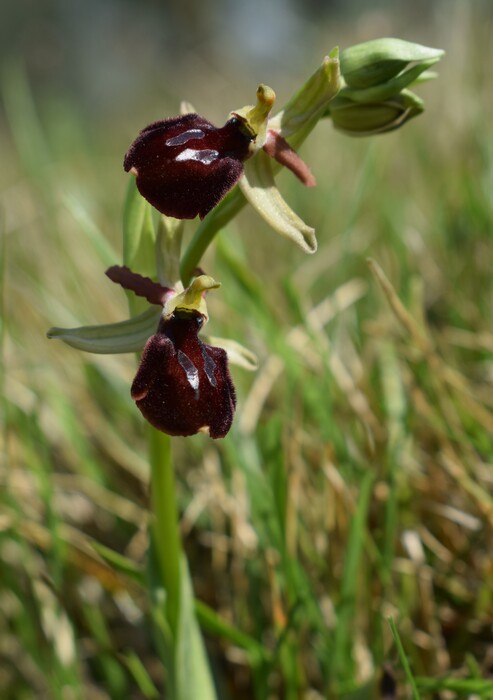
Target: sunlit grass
356, 484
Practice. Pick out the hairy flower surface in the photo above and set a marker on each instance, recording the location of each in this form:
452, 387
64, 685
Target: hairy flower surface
183, 385
185, 165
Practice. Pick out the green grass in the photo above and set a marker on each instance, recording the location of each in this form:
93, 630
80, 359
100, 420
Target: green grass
357, 482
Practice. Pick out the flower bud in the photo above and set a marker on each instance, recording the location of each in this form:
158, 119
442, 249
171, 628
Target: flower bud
375, 118
375, 62
375, 98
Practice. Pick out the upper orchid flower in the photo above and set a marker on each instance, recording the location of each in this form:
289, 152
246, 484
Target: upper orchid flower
185, 165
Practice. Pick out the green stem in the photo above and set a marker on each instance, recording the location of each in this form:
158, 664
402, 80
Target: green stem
164, 524
403, 659
229, 207
206, 231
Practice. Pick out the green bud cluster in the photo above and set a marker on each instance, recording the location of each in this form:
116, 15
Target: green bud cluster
374, 97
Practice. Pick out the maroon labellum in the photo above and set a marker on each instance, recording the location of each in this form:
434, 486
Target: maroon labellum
185, 165
183, 385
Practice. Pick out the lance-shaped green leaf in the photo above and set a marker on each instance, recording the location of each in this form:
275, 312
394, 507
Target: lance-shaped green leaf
139, 238
126, 336
138, 232
192, 674
374, 62
259, 188
304, 109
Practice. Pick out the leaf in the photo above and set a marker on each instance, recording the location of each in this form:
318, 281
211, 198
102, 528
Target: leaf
119, 562
139, 238
353, 571
213, 623
259, 188
140, 675
192, 672
403, 659
92, 232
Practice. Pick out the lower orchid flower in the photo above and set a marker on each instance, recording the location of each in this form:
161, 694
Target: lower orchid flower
183, 385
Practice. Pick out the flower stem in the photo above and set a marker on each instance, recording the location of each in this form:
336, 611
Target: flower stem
204, 235
164, 528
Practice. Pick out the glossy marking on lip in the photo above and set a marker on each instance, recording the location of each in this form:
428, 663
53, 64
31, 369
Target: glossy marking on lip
207, 156
186, 136
190, 370
209, 367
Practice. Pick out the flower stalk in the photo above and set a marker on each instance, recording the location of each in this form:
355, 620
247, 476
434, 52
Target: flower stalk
185, 167
164, 528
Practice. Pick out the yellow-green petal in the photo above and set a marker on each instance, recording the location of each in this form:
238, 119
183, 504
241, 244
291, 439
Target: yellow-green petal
192, 298
238, 354
259, 188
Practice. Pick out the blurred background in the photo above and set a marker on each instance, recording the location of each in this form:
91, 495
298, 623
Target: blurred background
276, 518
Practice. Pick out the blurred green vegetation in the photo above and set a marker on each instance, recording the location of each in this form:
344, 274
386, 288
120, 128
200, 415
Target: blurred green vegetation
357, 482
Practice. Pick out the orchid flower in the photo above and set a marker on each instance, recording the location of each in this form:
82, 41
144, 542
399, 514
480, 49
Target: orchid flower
183, 384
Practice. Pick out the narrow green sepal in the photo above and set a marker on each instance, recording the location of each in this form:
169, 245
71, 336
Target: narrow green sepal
238, 354
259, 188
114, 338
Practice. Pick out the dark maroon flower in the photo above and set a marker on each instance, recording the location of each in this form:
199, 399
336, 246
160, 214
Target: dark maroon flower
185, 165
183, 386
